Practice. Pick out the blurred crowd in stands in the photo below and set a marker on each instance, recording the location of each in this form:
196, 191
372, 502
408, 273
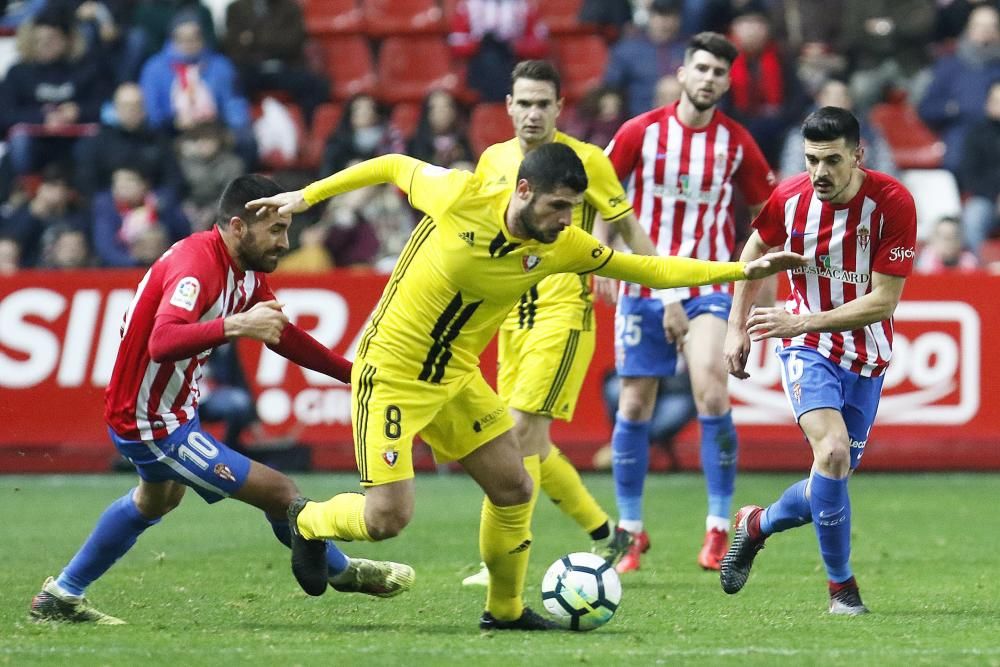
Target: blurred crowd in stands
122, 120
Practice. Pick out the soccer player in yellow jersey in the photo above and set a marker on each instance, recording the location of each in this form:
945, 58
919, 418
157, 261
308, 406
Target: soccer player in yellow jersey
547, 341
476, 251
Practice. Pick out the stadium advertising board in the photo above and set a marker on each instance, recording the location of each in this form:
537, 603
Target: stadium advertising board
59, 333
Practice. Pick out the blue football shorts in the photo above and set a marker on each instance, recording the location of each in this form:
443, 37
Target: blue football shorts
812, 381
190, 456
641, 347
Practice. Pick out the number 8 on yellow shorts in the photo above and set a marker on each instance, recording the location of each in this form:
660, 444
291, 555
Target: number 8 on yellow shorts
542, 369
388, 410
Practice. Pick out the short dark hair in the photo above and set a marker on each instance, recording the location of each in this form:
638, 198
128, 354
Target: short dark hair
714, 43
830, 124
537, 70
552, 166
243, 189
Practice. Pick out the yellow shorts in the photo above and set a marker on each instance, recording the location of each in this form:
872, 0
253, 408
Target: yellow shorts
541, 370
388, 411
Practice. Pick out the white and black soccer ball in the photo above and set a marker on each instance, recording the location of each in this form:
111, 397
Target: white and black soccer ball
581, 590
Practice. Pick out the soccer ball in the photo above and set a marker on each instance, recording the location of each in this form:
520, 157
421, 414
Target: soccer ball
581, 590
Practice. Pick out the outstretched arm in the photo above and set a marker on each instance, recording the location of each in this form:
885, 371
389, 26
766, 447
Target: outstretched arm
300, 348
394, 168
664, 272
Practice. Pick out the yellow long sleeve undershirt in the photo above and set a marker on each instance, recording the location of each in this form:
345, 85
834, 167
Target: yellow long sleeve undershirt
393, 168
665, 272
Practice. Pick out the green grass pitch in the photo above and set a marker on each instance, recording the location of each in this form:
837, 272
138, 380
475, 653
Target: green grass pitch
211, 586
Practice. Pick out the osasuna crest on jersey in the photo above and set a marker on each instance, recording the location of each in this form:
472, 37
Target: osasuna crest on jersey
528, 262
390, 457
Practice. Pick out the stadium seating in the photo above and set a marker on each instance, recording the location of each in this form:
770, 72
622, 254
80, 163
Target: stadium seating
411, 67
324, 17
274, 160
914, 145
403, 17
405, 117
325, 121
561, 15
489, 125
935, 195
349, 65
581, 60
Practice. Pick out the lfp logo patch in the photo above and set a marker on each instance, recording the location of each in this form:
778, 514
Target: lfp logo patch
186, 293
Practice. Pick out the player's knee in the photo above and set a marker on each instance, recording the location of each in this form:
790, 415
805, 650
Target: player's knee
384, 524
517, 492
712, 402
833, 456
634, 408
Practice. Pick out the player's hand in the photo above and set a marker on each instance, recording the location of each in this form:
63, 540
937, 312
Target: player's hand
736, 351
285, 203
773, 323
771, 263
675, 324
606, 289
264, 322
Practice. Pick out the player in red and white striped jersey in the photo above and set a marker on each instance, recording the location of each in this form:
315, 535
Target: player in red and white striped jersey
205, 290
858, 228
683, 162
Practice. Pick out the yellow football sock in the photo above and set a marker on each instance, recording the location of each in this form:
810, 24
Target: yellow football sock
340, 518
505, 542
561, 482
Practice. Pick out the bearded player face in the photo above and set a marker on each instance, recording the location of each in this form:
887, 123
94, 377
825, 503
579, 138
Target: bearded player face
263, 241
705, 79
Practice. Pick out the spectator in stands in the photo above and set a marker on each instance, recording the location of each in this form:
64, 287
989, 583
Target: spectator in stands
151, 27
952, 17
266, 41
49, 94
441, 136
10, 256
809, 32
65, 247
52, 204
764, 95
208, 163
887, 42
187, 84
133, 224
943, 252
597, 116
836, 93
957, 94
492, 35
668, 90
125, 137
363, 132
101, 23
980, 175
610, 15
637, 62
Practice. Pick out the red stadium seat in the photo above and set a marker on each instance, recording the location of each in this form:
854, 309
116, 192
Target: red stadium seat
489, 125
403, 17
325, 17
561, 15
349, 65
449, 6
913, 144
325, 121
581, 61
405, 117
411, 67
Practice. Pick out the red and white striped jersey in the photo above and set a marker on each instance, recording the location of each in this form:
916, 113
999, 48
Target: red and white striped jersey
875, 232
197, 281
680, 181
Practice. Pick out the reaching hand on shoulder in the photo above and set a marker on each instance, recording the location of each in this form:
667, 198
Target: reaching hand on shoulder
264, 322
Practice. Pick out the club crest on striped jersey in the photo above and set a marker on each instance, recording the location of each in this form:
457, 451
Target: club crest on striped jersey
528, 262
864, 235
390, 457
186, 293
